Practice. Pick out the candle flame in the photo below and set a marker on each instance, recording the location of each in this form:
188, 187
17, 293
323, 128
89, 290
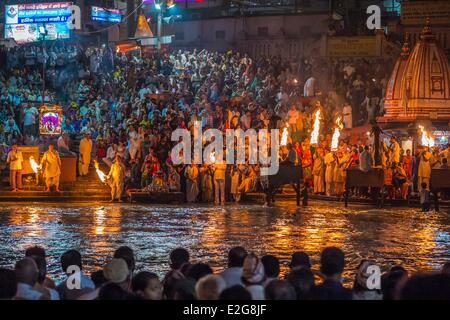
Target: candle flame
426, 139
34, 166
284, 136
336, 134
100, 173
316, 128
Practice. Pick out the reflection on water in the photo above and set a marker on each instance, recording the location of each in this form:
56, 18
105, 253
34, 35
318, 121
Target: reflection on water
390, 236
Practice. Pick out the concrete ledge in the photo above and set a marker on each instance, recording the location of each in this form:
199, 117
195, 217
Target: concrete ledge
155, 197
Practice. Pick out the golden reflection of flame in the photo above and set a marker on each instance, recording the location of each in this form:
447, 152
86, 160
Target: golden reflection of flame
106, 221
423, 237
31, 218
99, 219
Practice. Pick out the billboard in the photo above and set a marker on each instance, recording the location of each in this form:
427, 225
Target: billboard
362, 46
22, 21
415, 13
101, 14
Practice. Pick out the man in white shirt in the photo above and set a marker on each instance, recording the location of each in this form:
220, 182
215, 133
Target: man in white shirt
309, 89
347, 113
63, 144
27, 274
365, 160
11, 126
71, 261
110, 155
233, 274
135, 142
15, 161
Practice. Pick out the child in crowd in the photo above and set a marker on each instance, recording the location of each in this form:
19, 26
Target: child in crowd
425, 197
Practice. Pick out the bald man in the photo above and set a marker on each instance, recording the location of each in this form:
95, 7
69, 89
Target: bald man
27, 275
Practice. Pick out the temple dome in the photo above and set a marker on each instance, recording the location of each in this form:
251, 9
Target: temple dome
419, 87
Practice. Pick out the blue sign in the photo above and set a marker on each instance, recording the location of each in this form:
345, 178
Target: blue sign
101, 14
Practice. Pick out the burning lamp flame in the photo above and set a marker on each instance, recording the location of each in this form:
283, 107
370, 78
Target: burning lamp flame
100, 173
284, 136
316, 128
426, 139
34, 166
336, 134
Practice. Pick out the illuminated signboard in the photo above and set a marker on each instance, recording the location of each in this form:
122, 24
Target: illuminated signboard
101, 14
22, 21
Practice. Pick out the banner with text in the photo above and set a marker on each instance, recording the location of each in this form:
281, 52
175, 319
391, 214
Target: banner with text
415, 13
352, 47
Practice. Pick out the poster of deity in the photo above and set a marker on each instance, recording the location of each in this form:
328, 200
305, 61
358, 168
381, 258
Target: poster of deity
50, 120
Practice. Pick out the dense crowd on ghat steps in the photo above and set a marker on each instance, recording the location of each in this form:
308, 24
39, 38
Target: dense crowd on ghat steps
246, 277
111, 101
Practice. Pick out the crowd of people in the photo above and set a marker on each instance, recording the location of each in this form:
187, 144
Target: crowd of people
246, 277
121, 109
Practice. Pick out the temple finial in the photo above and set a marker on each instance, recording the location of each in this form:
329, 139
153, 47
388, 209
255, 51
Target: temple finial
405, 48
427, 28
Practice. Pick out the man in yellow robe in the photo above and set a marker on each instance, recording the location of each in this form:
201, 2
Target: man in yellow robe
85, 154
424, 172
116, 177
51, 166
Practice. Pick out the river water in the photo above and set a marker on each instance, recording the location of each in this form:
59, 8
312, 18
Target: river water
416, 240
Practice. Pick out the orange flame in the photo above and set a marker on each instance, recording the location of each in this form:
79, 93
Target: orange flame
336, 134
100, 173
34, 166
316, 128
426, 139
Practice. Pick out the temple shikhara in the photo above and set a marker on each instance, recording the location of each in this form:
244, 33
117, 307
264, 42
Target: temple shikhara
419, 88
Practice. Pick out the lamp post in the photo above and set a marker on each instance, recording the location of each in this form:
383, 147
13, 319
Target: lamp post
159, 28
161, 6
43, 32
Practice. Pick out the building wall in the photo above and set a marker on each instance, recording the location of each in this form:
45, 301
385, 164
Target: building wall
286, 35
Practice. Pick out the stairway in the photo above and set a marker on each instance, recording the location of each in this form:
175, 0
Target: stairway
85, 189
